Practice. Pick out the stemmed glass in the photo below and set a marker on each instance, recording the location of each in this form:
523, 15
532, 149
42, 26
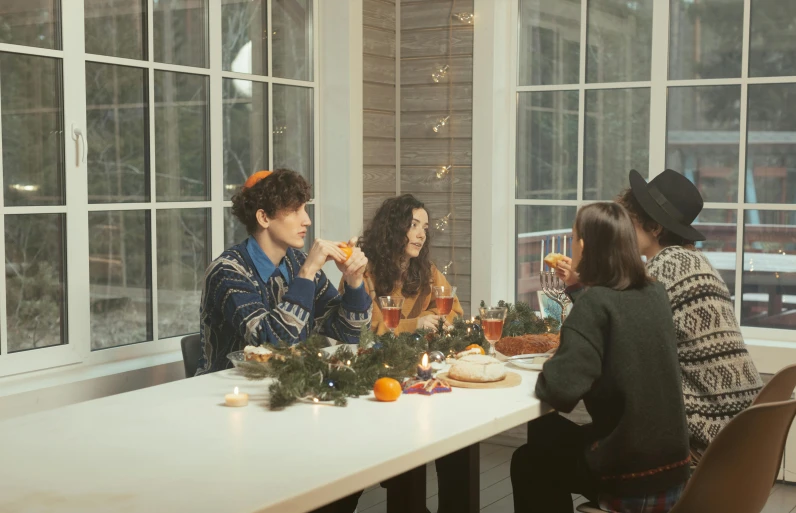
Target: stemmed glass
444, 295
391, 311
492, 320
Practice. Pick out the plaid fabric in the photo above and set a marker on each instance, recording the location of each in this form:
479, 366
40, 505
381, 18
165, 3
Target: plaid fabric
657, 503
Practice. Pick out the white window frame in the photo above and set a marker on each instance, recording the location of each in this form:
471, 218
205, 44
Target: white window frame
494, 117
77, 351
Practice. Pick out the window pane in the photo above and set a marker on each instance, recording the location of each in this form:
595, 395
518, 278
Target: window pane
292, 39
772, 38
244, 30
769, 269
183, 247
235, 231
547, 145
293, 129
549, 39
616, 140
116, 28
116, 111
720, 226
245, 132
180, 35
35, 281
771, 146
703, 138
31, 23
537, 225
182, 153
705, 39
619, 41
120, 273
33, 130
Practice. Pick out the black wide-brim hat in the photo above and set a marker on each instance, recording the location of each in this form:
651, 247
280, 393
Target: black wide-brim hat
671, 200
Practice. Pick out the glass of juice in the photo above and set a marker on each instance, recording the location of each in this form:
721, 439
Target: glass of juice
391, 311
492, 320
444, 295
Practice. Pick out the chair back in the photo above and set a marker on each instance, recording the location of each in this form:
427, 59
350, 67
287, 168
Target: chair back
740, 465
780, 388
191, 353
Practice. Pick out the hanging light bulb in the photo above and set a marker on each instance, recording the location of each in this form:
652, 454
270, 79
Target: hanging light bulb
442, 222
465, 17
447, 267
443, 172
439, 73
441, 122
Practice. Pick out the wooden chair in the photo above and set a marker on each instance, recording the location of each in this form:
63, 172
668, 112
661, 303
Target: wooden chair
741, 464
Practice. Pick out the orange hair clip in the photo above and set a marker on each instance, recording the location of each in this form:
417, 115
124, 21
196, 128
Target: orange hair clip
256, 177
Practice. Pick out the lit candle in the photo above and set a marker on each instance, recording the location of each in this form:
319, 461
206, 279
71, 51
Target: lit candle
236, 399
565, 245
424, 369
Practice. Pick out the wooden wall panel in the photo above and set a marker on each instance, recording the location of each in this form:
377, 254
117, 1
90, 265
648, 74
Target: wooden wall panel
459, 257
378, 124
428, 43
378, 69
459, 239
378, 42
378, 13
424, 179
439, 152
378, 152
439, 205
379, 179
378, 97
432, 13
421, 124
419, 71
422, 98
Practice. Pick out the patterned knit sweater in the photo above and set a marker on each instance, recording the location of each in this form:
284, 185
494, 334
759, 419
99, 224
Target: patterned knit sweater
719, 378
238, 308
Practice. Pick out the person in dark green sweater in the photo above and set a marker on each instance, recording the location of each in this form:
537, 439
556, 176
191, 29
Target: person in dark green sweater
618, 354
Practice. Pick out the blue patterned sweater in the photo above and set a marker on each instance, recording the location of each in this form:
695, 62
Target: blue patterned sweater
239, 308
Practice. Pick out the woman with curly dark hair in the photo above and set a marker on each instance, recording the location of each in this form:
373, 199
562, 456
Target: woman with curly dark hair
397, 245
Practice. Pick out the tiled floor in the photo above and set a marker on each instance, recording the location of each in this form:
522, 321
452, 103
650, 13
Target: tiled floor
496, 488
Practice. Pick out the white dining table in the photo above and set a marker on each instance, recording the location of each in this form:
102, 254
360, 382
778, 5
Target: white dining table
176, 447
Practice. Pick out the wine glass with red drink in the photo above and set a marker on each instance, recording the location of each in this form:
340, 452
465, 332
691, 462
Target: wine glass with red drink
391, 311
492, 320
443, 295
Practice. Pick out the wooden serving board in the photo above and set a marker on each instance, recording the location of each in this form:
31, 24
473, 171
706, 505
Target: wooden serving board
512, 379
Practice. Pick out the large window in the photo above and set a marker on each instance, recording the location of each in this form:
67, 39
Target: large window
126, 129
705, 87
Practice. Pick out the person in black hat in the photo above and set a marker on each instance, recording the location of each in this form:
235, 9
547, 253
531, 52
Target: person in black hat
719, 378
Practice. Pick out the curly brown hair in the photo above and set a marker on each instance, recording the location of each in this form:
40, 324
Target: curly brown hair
283, 190
666, 238
384, 243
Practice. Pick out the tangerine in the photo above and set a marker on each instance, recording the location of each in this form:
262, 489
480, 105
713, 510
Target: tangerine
387, 389
348, 250
475, 346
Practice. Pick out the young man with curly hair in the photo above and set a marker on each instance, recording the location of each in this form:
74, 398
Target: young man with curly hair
265, 290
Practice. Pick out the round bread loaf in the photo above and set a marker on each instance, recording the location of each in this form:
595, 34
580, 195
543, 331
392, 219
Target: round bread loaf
477, 368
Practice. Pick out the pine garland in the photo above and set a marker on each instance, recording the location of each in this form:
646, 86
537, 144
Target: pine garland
306, 372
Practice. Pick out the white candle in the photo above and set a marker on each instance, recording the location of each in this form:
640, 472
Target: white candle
236, 399
565, 245
541, 257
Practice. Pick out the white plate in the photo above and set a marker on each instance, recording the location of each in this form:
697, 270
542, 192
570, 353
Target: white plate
527, 364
